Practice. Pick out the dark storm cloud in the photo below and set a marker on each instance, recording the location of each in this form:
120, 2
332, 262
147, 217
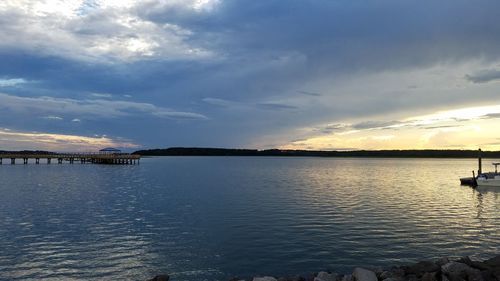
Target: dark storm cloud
484, 76
345, 34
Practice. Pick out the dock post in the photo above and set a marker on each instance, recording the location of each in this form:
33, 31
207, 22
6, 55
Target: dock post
480, 164
13, 161
37, 160
59, 160
25, 161
48, 160
1, 160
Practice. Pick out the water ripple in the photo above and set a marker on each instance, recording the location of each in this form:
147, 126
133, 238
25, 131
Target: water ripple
212, 218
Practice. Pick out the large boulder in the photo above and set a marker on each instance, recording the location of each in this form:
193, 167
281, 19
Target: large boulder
442, 261
325, 276
394, 273
456, 271
430, 276
422, 267
490, 269
361, 274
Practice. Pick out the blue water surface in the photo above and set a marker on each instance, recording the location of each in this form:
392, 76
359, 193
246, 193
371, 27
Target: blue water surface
212, 218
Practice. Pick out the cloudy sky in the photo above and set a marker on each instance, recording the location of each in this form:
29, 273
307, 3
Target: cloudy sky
301, 74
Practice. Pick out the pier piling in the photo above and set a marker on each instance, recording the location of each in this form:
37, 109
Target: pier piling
83, 158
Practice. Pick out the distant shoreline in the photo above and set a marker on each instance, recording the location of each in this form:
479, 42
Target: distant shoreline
426, 153
206, 151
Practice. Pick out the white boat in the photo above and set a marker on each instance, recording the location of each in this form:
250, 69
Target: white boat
489, 179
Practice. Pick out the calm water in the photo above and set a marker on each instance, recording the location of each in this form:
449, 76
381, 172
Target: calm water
213, 218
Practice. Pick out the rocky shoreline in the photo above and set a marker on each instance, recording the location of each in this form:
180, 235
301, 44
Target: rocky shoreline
444, 269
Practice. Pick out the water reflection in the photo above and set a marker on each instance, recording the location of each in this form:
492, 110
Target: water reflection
479, 204
213, 218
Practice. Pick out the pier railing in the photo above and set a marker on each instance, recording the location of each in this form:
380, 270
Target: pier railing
83, 158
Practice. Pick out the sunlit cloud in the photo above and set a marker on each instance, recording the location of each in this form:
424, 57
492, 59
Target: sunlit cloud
463, 128
51, 117
101, 95
17, 140
105, 31
11, 82
462, 114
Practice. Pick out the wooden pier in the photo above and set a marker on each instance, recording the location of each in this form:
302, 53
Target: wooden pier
71, 158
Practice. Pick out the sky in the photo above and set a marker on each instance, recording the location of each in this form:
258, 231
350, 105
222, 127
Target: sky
79, 75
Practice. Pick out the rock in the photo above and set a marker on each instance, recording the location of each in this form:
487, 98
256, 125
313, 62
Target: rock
442, 261
490, 268
236, 279
412, 277
422, 267
456, 271
429, 276
265, 278
392, 279
489, 276
493, 262
394, 273
376, 269
361, 274
479, 265
297, 278
325, 276
465, 260
293, 278
162, 277
347, 277
385, 275
397, 272
496, 273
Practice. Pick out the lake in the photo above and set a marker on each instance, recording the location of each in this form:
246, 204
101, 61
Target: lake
212, 218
